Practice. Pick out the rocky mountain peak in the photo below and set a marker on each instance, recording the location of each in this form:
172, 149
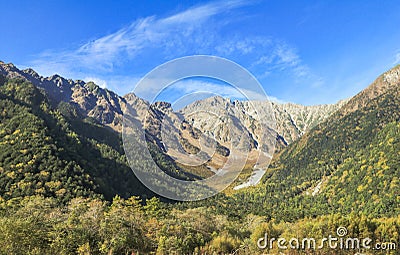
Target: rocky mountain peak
88, 98
59, 81
9, 70
392, 77
31, 72
384, 83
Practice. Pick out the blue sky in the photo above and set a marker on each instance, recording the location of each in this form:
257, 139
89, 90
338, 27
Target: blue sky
307, 52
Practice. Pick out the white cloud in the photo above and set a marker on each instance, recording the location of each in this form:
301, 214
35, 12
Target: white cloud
277, 100
268, 56
282, 57
397, 58
286, 55
97, 81
193, 86
244, 46
170, 33
184, 92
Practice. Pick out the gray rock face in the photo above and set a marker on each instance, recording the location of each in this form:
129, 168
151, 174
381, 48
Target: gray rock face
292, 120
380, 86
89, 99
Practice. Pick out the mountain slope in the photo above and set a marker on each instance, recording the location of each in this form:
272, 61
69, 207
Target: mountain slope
348, 163
42, 151
87, 98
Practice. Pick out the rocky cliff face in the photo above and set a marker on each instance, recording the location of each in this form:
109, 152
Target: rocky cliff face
291, 120
379, 87
89, 99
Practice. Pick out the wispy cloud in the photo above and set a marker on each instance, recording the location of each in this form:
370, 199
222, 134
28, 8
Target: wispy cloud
397, 58
102, 83
177, 32
267, 55
279, 56
197, 30
195, 86
277, 100
187, 91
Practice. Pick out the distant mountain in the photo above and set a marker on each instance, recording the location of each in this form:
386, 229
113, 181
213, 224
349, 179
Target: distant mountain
61, 150
292, 120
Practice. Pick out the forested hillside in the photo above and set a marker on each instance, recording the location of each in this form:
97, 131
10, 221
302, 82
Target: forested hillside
56, 153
